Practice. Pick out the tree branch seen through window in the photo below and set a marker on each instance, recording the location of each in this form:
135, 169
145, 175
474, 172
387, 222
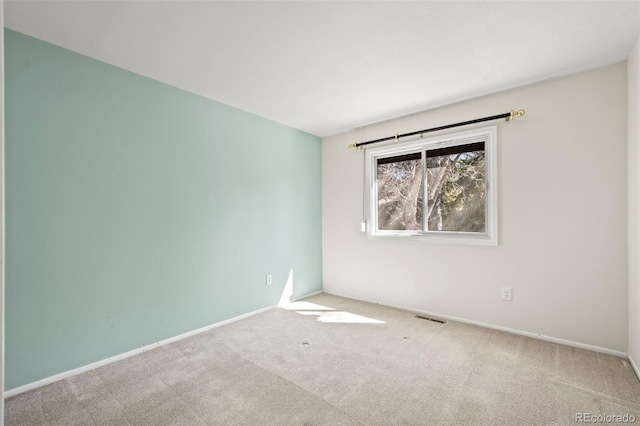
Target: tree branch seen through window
455, 191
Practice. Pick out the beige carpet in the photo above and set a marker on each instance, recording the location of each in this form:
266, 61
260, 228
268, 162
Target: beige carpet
340, 363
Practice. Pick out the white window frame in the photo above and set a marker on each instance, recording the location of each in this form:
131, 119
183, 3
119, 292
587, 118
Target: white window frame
488, 135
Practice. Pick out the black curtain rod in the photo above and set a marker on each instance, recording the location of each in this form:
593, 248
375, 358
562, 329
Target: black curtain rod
507, 115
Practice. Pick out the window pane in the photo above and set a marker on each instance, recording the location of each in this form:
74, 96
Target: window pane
456, 189
400, 192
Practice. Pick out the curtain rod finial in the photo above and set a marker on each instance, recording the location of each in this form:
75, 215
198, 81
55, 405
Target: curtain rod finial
514, 114
354, 146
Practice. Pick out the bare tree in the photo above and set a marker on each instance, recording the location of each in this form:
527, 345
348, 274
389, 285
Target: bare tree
399, 195
455, 193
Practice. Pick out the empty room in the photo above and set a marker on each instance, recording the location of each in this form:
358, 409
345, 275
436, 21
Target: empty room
320, 212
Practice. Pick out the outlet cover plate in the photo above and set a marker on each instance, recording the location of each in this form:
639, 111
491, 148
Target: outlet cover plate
507, 294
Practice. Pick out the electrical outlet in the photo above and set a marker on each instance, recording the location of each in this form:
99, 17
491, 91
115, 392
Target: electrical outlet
506, 294
269, 279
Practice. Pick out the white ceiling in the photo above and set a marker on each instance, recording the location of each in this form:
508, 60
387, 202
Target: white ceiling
328, 67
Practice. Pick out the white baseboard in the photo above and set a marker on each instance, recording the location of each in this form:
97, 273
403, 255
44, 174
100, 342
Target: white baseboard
306, 295
67, 374
496, 327
634, 366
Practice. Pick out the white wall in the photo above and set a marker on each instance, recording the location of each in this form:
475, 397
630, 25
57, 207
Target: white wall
562, 218
2, 213
633, 165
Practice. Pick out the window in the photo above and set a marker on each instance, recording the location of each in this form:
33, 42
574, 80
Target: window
438, 189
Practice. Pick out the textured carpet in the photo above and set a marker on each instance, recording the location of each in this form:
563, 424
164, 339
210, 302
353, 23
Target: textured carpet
334, 361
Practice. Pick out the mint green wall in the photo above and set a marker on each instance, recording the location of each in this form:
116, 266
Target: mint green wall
137, 211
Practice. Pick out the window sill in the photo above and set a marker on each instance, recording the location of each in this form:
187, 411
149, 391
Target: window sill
436, 237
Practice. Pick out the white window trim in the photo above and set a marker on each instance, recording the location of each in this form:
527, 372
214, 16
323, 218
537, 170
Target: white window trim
488, 238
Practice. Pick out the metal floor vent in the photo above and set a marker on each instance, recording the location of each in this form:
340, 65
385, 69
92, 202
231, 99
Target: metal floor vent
439, 321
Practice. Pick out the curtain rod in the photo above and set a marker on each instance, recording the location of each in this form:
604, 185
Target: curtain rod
508, 116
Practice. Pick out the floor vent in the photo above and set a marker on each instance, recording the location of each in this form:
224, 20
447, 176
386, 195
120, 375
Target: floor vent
439, 321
